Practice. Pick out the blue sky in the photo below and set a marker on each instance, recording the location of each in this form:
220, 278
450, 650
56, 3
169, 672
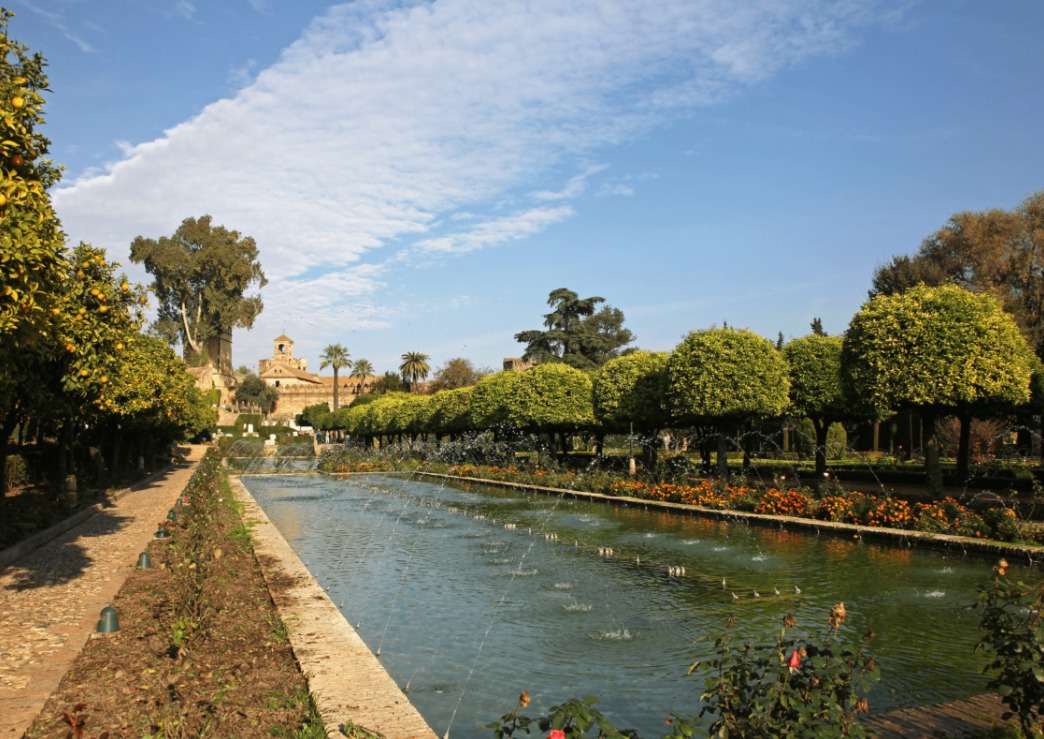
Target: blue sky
420, 175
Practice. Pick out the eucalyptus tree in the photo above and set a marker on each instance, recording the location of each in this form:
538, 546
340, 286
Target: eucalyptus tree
937, 351
414, 368
337, 357
815, 386
725, 377
202, 274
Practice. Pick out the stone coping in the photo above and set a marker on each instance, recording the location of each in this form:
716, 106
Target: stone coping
1033, 555
346, 680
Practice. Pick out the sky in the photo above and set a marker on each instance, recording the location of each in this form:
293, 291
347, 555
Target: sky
419, 176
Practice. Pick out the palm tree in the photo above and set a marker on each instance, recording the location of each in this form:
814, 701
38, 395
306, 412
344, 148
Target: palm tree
362, 368
414, 368
335, 356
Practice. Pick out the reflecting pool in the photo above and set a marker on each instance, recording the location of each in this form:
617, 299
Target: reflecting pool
474, 594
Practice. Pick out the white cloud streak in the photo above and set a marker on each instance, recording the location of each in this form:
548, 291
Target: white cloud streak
382, 122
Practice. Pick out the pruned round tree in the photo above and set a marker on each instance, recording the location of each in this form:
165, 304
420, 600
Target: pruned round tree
629, 394
937, 351
489, 410
450, 412
726, 377
552, 399
815, 386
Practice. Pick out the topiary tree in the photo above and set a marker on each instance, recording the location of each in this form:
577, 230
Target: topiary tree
815, 386
726, 377
449, 412
551, 399
936, 351
489, 409
629, 393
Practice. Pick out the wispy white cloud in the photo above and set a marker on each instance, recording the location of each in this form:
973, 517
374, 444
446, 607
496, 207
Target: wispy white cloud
57, 19
185, 9
574, 188
498, 231
610, 189
385, 121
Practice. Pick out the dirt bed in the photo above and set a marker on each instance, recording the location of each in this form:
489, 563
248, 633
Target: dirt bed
239, 679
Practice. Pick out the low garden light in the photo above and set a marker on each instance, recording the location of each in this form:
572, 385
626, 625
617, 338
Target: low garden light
144, 561
109, 621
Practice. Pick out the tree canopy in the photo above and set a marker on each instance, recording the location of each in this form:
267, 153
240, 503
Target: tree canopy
201, 277
456, 373
939, 351
576, 333
724, 377
995, 251
630, 390
815, 385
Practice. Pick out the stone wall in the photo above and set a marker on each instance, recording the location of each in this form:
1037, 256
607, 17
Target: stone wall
295, 398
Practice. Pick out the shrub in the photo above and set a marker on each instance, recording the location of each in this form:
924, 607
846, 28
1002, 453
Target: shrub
1013, 634
792, 687
17, 471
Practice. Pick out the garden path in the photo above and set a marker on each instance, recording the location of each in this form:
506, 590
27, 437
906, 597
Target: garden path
51, 595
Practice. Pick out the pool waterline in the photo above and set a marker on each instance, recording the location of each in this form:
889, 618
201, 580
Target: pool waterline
475, 595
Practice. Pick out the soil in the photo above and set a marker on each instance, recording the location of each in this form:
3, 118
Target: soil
239, 679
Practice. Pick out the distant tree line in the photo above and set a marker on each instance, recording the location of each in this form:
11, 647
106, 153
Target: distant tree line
938, 351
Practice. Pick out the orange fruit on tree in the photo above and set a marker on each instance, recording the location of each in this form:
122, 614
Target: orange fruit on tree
17, 102
17, 160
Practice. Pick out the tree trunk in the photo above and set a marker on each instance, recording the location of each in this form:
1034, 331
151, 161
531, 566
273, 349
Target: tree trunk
932, 466
723, 454
963, 446
8, 426
821, 426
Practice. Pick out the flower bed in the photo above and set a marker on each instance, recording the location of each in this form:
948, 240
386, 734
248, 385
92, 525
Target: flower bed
947, 516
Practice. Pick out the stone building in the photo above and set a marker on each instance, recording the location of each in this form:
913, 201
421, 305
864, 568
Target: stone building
298, 388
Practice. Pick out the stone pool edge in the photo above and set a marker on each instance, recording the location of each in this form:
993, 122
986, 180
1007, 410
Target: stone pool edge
346, 680
1034, 555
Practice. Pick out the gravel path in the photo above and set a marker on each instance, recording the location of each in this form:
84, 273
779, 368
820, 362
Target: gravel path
51, 597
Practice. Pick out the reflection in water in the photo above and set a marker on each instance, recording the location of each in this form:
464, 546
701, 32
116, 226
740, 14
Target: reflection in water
473, 595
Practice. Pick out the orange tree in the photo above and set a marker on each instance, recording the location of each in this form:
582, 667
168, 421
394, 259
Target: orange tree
489, 411
32, 254
151, 400
96, 316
